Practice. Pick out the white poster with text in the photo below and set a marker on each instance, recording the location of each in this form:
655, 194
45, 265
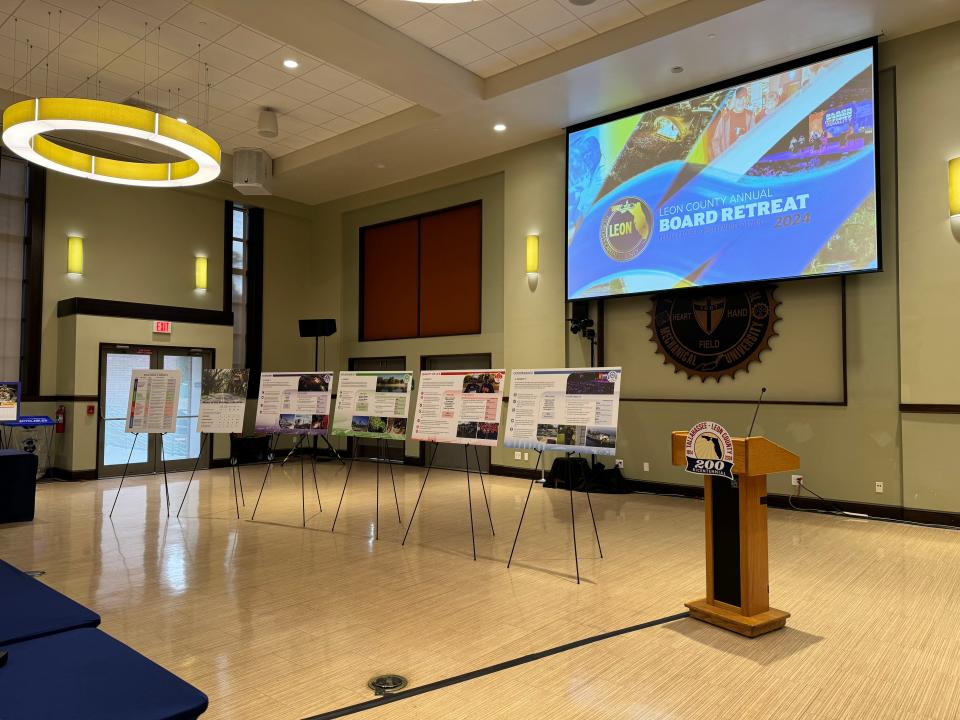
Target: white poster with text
459, 406
154, 398
223, 400
373, 404
567, 410
294, 403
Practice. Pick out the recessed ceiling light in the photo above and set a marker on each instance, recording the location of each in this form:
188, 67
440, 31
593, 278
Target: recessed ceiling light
291, 63
676, 69
182, 120
499, 127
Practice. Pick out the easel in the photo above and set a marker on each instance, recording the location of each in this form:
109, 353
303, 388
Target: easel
466, 458
330, 447
573, 519
381, 457
163, 461
234, 472
303, 494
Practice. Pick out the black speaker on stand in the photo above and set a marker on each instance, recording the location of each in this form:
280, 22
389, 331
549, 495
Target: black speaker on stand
316, 329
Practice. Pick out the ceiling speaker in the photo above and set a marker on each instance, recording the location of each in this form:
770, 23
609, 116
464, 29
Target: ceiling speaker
267, 124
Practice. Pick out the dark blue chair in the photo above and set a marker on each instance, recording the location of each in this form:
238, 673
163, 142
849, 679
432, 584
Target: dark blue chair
88, 674
30, 609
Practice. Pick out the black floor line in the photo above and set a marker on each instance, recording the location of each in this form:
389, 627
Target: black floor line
489, 670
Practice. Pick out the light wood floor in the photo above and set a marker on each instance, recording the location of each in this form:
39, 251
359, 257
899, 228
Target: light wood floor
275, 621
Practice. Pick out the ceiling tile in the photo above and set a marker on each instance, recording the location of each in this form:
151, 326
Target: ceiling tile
363, 92
241, 88
467, 16
648, 7
167, 58
122, 17
23, 31
307, 63
224, 58
501, 33
223, 100
508, 6
364, 115
106, 37
85, 52
247, 42
491, 65
611, 17
290, 125
302, 90
340, 125
528, 50
296, 142
277, 101
595, 6
78, 69
246, 140
391, 12
543, 15
235, 123
45, 15
183, 41
264, 75
87, 8
161, 9
336, 104
329, 77
133, 68
392, 104
430, 29
463, 49
317, 134
312, 115
202, 22
567, 35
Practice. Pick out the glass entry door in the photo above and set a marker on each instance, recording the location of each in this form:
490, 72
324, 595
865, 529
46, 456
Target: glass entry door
180, 448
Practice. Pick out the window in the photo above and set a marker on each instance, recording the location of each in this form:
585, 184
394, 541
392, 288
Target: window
421, 276
243, 286
238, 283
14, 264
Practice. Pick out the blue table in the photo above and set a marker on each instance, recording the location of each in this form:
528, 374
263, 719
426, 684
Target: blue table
30, 609
87, 674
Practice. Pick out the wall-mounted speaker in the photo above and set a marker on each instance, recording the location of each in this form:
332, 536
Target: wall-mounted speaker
318, 328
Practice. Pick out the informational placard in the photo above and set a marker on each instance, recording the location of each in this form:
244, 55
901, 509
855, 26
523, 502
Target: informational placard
373, 404
459, 406
294, 403
223, 400
9, 400
154, 398
709, 450
567, 410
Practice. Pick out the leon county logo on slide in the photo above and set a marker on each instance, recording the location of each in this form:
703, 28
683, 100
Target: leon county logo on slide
625, 229
709, 450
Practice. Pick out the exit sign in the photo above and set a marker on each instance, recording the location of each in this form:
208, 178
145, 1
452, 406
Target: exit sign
162, 326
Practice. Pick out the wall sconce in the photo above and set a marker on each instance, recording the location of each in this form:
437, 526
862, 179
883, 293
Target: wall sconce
954, 183
533, 254
201, 272
74, 255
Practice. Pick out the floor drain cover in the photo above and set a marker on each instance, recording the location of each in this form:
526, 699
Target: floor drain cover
386, 684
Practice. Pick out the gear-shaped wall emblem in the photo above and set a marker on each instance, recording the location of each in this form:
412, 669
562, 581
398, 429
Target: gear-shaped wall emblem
714, 335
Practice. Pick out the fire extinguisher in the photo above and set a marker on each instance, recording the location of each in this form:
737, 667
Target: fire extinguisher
61, 417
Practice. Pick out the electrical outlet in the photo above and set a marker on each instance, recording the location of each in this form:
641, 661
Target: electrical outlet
646, 467
516, 454
796, 480
879, 487
526, 456
619, 464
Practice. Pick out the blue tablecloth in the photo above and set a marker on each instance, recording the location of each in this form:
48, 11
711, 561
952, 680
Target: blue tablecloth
86, 674
30, 609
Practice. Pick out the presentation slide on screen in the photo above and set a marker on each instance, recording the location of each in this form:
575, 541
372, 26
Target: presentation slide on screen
459, 406
9, 400
768, 179
294, 403
223, 400
154, 398
567, 410
373, 404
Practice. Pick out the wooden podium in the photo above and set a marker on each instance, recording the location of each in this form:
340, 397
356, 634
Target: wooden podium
735, 516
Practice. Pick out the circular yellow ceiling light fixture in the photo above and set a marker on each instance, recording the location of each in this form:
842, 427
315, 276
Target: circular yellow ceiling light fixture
24, 124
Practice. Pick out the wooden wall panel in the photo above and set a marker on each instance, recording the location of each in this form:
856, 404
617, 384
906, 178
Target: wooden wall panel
389, 281
451, 259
